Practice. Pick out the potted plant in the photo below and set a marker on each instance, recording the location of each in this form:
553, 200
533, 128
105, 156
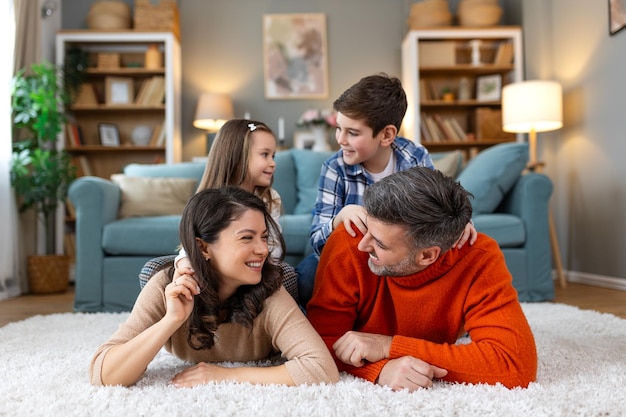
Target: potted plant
40, 172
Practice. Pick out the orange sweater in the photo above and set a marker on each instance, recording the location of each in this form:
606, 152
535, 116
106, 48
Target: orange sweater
469, 289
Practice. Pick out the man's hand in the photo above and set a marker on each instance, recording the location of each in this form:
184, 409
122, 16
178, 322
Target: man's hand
409, 372
354, 348
352, 214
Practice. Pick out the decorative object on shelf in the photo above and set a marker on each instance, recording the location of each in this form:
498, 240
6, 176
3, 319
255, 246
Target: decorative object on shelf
140, 136
465, 89
109, 134
119, 90
617, 16
475, 45
479, 13
531, 107
154, 57
314, 125
295, 56
108, 60
429, 13
161, 16
488, 87
40, 173
109, 15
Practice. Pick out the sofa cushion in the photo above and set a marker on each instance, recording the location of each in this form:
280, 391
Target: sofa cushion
284, 182
508, 230
178, 170
492, 173
308, 165
128, 237
449, 163
153, 196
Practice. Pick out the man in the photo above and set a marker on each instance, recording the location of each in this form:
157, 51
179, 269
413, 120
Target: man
392, 303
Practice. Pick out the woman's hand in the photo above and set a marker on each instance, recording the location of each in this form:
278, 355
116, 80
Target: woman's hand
179, 297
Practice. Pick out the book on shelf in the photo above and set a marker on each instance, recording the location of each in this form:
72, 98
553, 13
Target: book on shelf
73, 134
447, 135
426, 137
504, 54
83, 165
155, 138
435, 133
151, 92
456, 126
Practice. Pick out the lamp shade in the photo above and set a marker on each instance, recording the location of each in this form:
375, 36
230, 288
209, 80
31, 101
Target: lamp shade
213, 111
532, 105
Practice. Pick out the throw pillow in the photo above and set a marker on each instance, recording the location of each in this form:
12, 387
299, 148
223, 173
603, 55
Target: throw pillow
448, 163
308, 168
153, 196
490, 175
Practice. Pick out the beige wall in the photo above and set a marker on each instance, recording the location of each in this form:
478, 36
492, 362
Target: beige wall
568, 40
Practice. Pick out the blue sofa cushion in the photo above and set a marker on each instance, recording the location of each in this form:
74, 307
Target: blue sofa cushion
492, 173
284, 183
307, 163
128, 236
508, 230
178, 170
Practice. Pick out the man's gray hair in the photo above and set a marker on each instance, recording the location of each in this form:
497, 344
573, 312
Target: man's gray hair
434, 208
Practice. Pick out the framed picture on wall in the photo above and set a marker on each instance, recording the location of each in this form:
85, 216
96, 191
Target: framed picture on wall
295, 56
488, 87
617, 16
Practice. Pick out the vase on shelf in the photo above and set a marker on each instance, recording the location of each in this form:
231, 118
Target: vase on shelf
320, 138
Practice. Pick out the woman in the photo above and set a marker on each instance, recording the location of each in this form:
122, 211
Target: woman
233, 308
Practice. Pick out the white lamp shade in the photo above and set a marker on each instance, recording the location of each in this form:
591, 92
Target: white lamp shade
532, 105
213, 111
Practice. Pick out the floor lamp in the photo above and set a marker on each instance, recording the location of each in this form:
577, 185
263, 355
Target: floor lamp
531, 107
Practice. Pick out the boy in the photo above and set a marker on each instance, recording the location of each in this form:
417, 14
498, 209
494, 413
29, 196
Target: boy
369, 115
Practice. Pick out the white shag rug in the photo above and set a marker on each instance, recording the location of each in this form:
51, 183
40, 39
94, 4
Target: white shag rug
44, 360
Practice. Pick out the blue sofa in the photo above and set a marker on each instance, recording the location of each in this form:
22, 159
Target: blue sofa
111, 251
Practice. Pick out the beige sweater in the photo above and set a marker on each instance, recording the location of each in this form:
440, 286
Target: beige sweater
281, 327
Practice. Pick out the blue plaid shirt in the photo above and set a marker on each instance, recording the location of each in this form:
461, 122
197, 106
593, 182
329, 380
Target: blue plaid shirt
341, 184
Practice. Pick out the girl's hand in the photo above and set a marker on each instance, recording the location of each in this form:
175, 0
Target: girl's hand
469, 233
179, 297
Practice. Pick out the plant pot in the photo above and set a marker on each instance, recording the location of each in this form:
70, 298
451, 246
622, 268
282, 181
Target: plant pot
48, 273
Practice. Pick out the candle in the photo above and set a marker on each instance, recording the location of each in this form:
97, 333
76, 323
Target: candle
281, 129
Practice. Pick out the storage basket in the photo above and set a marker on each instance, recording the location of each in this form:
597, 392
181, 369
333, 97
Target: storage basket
108, 60
161, 15
489, 125
48, 273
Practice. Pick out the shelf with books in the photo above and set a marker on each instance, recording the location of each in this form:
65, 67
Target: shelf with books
453, 74
140, 106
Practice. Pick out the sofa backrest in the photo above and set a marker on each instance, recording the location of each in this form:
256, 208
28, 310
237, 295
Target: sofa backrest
179, 170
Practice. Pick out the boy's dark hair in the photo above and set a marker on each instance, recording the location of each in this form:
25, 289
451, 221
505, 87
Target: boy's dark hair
432, 206
379, 100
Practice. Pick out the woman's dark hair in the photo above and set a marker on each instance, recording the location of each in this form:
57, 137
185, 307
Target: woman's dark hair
207, 213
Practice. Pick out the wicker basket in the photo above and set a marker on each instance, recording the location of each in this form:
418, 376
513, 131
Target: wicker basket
108, 60
162, 16
48, 273
488, 125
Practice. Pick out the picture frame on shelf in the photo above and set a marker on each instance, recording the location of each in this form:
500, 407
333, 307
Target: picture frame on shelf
119, 90
617, 16
109, 134
488, 87
295, 56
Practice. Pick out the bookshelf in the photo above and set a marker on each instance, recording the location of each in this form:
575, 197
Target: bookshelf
453, 79
142, 104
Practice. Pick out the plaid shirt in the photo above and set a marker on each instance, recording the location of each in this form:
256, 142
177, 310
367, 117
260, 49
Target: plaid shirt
341, 184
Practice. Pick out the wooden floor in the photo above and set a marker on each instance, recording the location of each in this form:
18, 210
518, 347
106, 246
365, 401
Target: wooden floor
582, 296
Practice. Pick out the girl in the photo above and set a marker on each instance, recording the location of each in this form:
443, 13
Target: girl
242, 155
233, 309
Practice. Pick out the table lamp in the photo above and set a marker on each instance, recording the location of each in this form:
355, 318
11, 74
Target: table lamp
213, 111
531, 107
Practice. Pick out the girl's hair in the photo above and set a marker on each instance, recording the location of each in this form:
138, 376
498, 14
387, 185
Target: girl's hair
228, 159
205, 216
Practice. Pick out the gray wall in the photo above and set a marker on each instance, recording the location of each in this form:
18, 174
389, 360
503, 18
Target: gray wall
568, 40
222, 51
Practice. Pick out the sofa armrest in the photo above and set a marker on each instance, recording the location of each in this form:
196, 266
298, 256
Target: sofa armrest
96, 201
529, 199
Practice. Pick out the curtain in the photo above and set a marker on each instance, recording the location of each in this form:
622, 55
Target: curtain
9, 279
